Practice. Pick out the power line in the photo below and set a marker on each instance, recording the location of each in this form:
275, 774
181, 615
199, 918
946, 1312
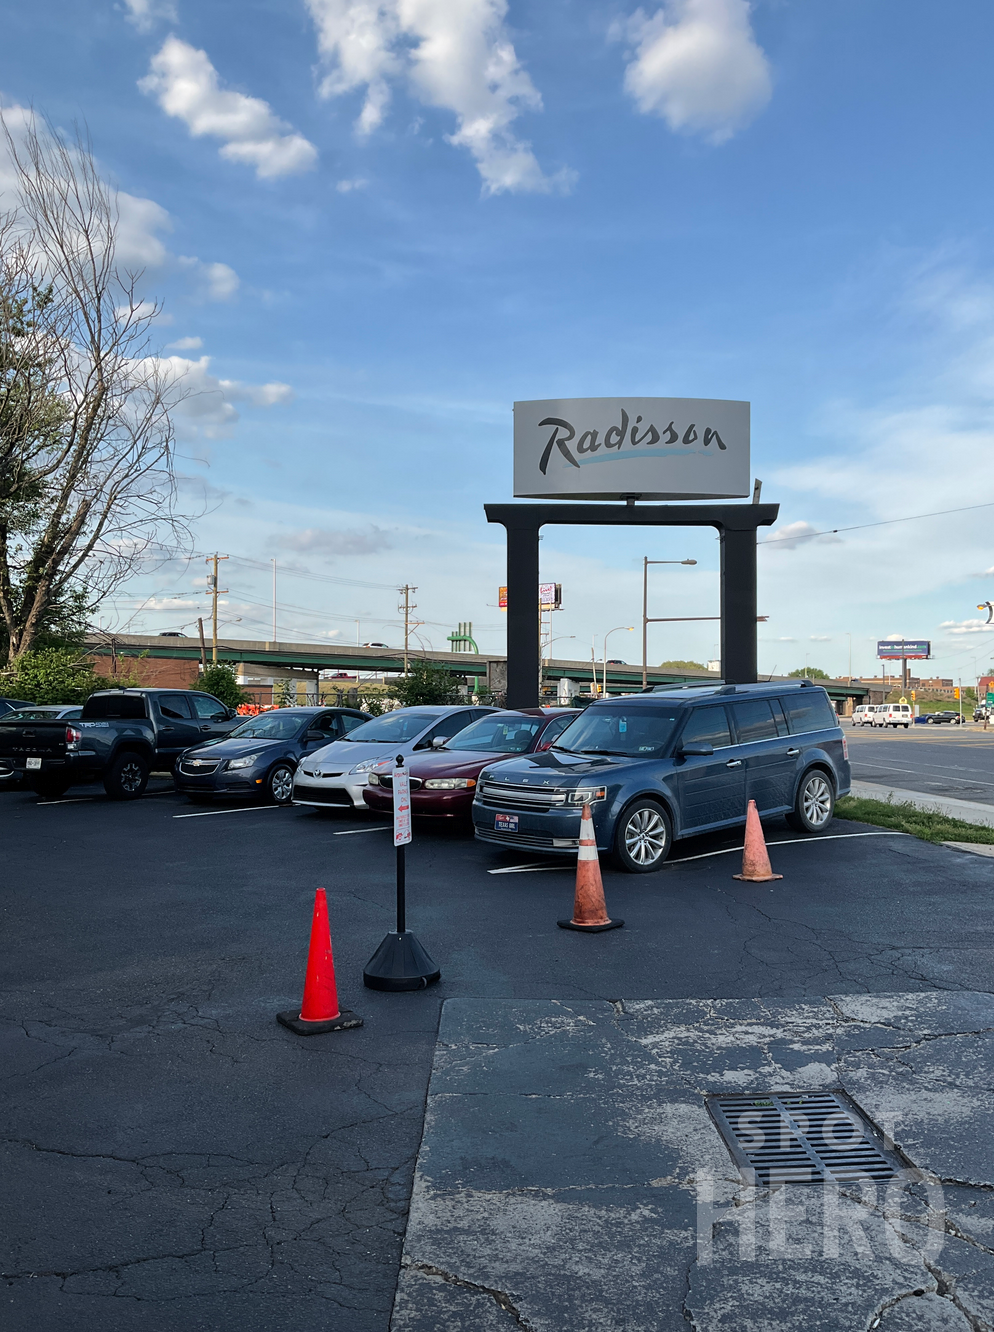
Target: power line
886, 522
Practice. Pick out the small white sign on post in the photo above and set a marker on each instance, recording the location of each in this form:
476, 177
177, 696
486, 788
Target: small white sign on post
401, 807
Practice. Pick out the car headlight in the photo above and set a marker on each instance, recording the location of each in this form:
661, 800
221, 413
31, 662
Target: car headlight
245, 761
365, 765
450, 783
586, 795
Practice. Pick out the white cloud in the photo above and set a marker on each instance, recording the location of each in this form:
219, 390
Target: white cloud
696, 63
186, 344
967, 626
452, 54
321, 541
138, 245
792, 535
186, 85
347, 186
214, 282
204, 403
144, 14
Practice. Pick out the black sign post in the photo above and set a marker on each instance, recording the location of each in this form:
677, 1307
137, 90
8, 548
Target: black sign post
400, 962
736, 524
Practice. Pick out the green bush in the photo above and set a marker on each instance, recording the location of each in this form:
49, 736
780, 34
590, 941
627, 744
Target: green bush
51, 675
219, 679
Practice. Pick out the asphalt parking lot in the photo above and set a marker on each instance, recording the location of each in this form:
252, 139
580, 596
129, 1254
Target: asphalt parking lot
936, 760
176, 1160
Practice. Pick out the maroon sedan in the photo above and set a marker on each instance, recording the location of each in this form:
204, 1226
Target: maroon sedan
443, 782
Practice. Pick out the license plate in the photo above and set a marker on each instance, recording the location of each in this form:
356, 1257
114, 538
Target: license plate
506, 823
34, 763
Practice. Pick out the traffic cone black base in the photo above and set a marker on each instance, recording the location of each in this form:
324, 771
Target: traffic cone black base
296, 1023
590, 929
400, 963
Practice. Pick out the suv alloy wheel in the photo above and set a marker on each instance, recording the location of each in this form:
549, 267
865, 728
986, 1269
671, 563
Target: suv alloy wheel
642, 837
814, 806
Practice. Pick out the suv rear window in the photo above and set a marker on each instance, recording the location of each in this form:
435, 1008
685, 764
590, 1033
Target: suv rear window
809, 710
127, 707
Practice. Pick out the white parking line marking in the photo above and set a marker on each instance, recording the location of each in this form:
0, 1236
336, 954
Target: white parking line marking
80, 800
242, 809
347, 832
529, 869
790, 841
521, 869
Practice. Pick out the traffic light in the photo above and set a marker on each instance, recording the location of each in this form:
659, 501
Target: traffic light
956, 692
913, 696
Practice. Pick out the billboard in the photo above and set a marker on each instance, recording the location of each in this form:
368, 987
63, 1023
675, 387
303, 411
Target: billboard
893, 649
610, 448
550, 596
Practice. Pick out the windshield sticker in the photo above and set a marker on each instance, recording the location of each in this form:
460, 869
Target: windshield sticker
623, 725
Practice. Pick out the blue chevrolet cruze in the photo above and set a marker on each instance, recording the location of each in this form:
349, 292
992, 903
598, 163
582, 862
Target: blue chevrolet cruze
671, 763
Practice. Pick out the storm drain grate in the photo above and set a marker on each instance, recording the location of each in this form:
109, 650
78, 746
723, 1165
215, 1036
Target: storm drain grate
805, 1138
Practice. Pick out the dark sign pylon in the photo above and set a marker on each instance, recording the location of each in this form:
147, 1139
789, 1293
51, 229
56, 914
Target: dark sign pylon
400, 962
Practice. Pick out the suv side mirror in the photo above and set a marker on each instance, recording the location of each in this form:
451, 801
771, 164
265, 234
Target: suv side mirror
696, 751
230, 712
439, 742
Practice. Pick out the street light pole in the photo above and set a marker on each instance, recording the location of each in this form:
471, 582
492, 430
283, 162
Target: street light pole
645, 612
628, 628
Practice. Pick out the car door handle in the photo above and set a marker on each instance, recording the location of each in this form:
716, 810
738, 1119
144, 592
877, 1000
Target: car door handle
793, 753
205, 728
734, 763
164, 729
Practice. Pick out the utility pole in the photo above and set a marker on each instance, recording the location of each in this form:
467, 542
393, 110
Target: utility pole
203, 645
213, 591
407, 607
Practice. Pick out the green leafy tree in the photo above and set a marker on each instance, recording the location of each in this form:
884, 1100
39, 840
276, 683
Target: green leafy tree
220, 680
682, 666
52, 675
808, 672
425, 682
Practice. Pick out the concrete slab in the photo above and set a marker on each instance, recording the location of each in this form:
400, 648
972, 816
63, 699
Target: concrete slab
975, 848
970, 811
570, 1178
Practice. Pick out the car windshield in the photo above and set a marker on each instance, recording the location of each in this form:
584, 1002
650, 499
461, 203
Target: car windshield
635, 732
269, 726
498, 735
395, 727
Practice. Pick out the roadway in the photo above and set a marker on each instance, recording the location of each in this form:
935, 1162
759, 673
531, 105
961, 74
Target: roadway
935, 760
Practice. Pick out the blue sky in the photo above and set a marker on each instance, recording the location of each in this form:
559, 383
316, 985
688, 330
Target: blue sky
385, 222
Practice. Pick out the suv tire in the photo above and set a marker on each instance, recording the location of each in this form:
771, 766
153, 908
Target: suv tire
279, 784
814, 805
127, 777
643, 837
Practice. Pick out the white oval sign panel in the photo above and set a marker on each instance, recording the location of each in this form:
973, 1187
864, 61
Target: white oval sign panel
611, 448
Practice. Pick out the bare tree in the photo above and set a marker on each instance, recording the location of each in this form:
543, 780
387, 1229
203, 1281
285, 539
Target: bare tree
87, 481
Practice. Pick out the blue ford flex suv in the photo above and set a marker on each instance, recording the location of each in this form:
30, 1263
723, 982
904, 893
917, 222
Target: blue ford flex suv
671, 763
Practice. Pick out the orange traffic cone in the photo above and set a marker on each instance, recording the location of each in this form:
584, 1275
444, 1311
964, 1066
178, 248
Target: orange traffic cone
319, 1010
589, 911
756, 867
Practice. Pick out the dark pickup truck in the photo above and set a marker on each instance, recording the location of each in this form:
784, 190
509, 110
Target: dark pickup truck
122, 736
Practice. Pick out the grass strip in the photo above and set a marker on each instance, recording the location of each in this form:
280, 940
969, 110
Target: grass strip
929, 825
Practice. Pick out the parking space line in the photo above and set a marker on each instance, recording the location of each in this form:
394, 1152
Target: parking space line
242, 809
790, 841
523, 869
348, 832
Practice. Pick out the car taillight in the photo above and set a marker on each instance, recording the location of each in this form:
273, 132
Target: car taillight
845, 749
73, 737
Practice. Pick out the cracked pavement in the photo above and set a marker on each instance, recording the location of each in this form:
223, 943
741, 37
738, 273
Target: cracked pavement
174, 1160
571, 1180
